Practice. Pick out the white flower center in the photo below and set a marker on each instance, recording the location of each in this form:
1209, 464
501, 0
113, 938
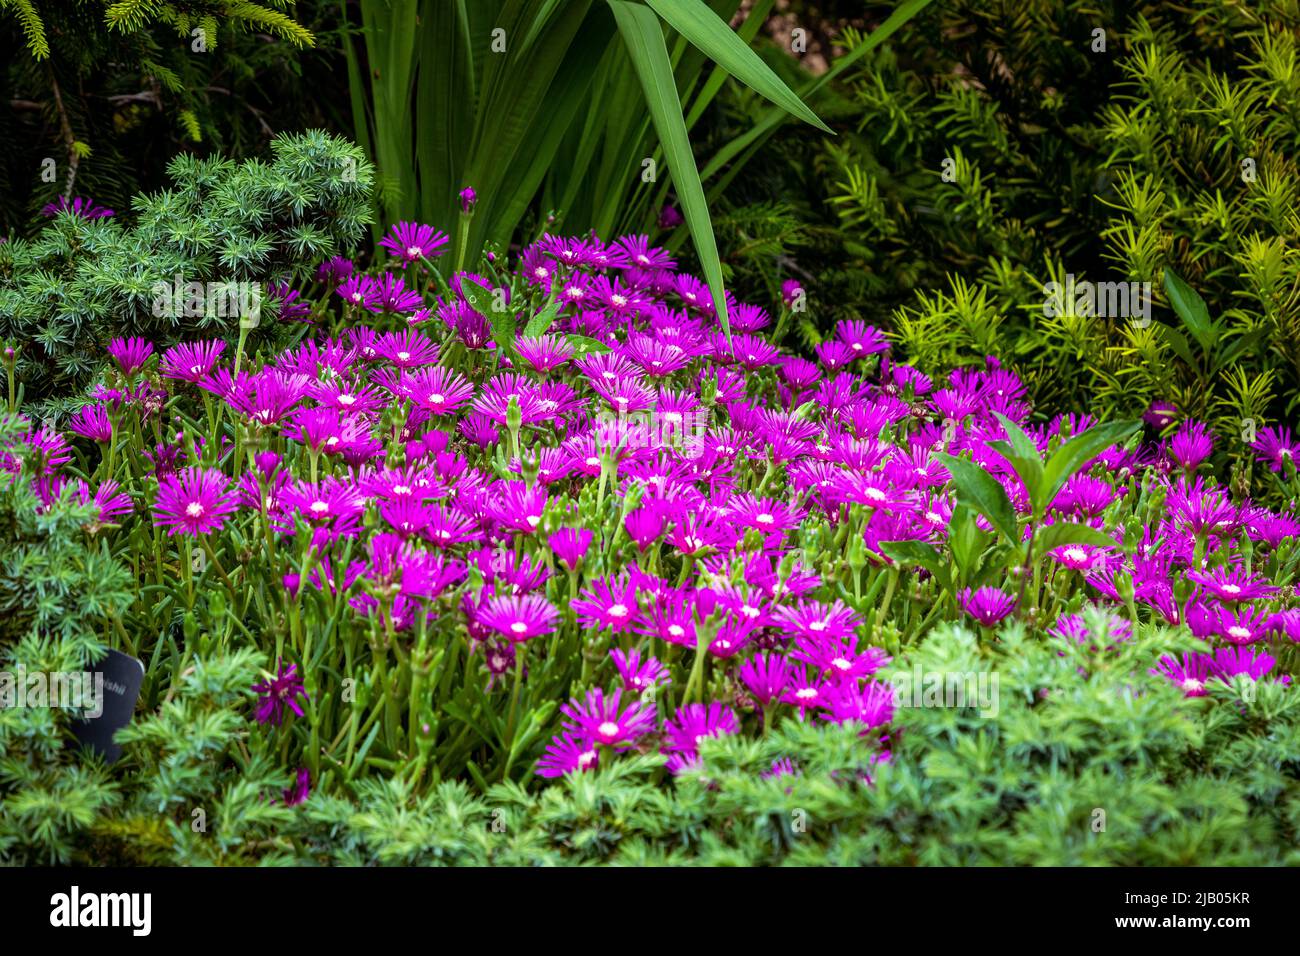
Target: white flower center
618, 610
414, 252
608, 729
1239, 632
319, 507
194, 510
519, 627
676, 630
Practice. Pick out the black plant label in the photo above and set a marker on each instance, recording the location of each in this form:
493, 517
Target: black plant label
116, 681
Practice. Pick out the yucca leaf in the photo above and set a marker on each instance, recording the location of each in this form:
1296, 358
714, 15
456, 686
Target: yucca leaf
712, 36
644, 37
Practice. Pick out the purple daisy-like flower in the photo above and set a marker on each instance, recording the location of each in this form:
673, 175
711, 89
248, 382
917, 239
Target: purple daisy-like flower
988, 605
279, 695
1233, 583
413, 241
1191, 445
601, 719
766, 676
567, 754
80, 207
569, 545
518, 617
195, 501
609, 602
300, 789
695, 722
1190, 674
868, 706
92, 421
191, 361
1276, 447
130, 354
638, 674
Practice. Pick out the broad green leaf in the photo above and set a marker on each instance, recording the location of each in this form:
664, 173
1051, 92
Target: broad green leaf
540, 322
707, 31
502, 321
582, 344
1050, 536
649, 54
966, 541
919, 553
1024, 458
1192, 310
980, 490
1080, 449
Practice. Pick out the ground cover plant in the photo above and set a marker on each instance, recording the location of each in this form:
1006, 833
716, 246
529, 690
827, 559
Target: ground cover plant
465, 501
527, 545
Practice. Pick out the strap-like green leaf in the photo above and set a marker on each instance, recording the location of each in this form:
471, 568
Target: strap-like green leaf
712, 36
644, 37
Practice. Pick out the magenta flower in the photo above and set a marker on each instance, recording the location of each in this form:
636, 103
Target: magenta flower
195, 501
695, 722
82, 208
638, 674
92, 421
518, 617
467, 199
1276, 448
609, 602
279, 694
567, 754
300, 790
868, 706
1190, 674
570, 545
600, 719
130, 354
1191, 445
766, 676
987, 605
191, 361
412, 241
1232, 583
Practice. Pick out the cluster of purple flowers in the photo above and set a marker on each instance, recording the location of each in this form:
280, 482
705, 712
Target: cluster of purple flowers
449, 470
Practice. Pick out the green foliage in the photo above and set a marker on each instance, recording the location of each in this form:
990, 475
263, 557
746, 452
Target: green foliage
107, 92
80, 282
1075, 756
994, 148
